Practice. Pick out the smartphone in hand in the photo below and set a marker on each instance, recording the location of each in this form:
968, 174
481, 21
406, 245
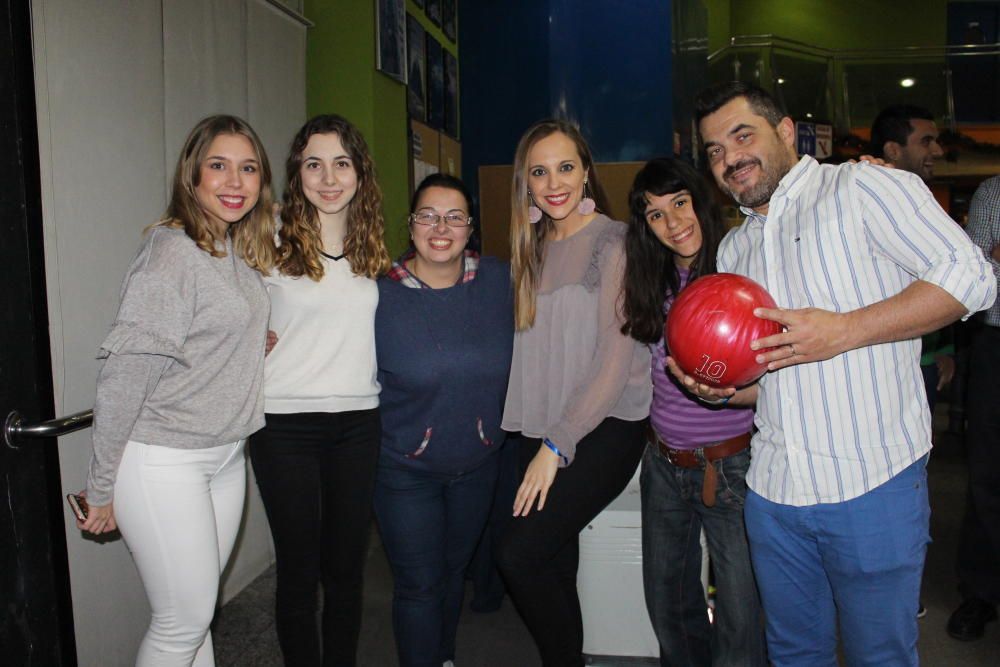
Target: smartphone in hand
78, 504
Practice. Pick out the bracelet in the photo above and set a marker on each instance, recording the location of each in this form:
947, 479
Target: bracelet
548, 443
719, 402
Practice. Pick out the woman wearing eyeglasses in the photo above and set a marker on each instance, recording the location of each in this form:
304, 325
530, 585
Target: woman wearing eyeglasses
444, 333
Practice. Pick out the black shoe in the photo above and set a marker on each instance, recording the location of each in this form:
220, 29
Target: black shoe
968, 622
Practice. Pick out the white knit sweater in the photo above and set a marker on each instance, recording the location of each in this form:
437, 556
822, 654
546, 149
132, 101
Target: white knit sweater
325, 357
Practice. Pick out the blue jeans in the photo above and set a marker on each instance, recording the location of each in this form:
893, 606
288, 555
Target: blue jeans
430, 525
857, 563
673, 515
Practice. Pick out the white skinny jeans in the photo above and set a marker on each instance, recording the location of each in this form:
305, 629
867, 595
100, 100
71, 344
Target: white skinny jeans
179, 511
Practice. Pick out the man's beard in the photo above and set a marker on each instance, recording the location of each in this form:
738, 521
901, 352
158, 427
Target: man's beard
760, 193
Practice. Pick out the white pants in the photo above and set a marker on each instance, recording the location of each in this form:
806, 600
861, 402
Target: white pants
179, 511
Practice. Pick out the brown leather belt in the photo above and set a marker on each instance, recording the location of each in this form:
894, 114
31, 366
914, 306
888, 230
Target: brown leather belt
697, 459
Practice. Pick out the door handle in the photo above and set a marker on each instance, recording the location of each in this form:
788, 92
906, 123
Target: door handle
15, 428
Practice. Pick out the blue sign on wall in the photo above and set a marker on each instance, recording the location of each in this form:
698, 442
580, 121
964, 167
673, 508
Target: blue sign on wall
805, 138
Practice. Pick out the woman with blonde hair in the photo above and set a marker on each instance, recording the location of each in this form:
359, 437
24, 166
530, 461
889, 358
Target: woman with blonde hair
180, 386
315, 458
579, 389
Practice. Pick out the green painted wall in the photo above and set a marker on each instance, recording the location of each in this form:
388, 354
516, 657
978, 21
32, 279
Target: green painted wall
832, 24
341, 78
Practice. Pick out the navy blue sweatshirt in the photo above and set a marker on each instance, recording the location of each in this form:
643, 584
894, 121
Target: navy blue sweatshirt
443, 363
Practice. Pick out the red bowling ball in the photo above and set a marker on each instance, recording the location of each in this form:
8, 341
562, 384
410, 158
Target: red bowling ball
711, 325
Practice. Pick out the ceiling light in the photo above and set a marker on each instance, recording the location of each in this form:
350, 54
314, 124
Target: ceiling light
907, 82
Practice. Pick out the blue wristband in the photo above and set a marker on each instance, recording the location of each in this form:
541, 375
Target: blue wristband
548, 443
717, 403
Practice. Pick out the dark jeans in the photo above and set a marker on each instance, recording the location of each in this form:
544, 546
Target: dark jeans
931, 376
316, 474
540, 553
673, 515
430, 525
487, 584
979, 543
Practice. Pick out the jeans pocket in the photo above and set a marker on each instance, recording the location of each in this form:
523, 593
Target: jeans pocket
732, 474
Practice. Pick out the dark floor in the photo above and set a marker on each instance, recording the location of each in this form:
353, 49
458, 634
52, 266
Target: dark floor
245, 637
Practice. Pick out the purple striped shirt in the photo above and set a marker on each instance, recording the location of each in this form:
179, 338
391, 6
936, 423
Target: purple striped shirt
682, 420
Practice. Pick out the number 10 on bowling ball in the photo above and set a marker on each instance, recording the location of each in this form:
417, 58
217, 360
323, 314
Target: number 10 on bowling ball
711, 325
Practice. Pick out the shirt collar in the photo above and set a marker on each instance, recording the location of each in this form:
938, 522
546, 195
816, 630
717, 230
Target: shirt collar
789, 186
399, 272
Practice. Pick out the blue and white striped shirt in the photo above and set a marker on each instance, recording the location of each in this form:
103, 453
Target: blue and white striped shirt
842, 238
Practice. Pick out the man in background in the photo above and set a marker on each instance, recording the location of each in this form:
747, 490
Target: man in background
907, 136
978, 562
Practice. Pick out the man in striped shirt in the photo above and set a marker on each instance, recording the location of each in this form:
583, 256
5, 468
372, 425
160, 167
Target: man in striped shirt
862, 261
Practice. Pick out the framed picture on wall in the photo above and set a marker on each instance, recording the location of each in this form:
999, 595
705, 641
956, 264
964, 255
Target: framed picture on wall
435, 84
390, 33
416, 97
434, 11
450, 94
448, 21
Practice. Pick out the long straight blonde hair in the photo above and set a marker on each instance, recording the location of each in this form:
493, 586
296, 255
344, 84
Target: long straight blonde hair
253, 236
527, 240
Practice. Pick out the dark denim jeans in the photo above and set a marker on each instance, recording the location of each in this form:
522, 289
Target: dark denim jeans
978, 562
430, 525
673, 515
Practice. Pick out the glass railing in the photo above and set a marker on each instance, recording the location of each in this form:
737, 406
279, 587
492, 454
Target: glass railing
960, 84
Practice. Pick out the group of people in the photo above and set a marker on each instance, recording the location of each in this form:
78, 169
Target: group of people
392, 386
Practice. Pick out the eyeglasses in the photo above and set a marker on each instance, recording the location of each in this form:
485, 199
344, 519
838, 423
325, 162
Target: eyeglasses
428, 219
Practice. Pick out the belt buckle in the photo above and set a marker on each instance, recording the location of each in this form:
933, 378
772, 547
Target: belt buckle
671, 455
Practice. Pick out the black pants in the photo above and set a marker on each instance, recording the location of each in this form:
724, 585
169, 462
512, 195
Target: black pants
539, 554
316, 474
979, 542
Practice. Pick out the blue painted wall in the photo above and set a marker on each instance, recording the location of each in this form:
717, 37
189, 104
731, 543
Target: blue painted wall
605, 65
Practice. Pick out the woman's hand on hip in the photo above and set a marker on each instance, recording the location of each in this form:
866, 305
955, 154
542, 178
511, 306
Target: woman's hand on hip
538, 478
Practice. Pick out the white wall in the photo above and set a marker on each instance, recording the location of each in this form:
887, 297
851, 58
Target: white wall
118, 86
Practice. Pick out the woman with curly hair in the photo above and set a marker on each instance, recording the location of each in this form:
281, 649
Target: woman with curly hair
180, 386
315, 458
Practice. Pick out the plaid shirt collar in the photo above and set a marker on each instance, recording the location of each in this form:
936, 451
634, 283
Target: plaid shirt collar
399, 272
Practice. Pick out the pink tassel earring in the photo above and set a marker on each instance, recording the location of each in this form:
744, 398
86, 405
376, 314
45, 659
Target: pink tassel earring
534, 213
586, 205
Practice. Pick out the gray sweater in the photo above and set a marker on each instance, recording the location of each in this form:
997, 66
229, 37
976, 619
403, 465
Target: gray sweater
183, 364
